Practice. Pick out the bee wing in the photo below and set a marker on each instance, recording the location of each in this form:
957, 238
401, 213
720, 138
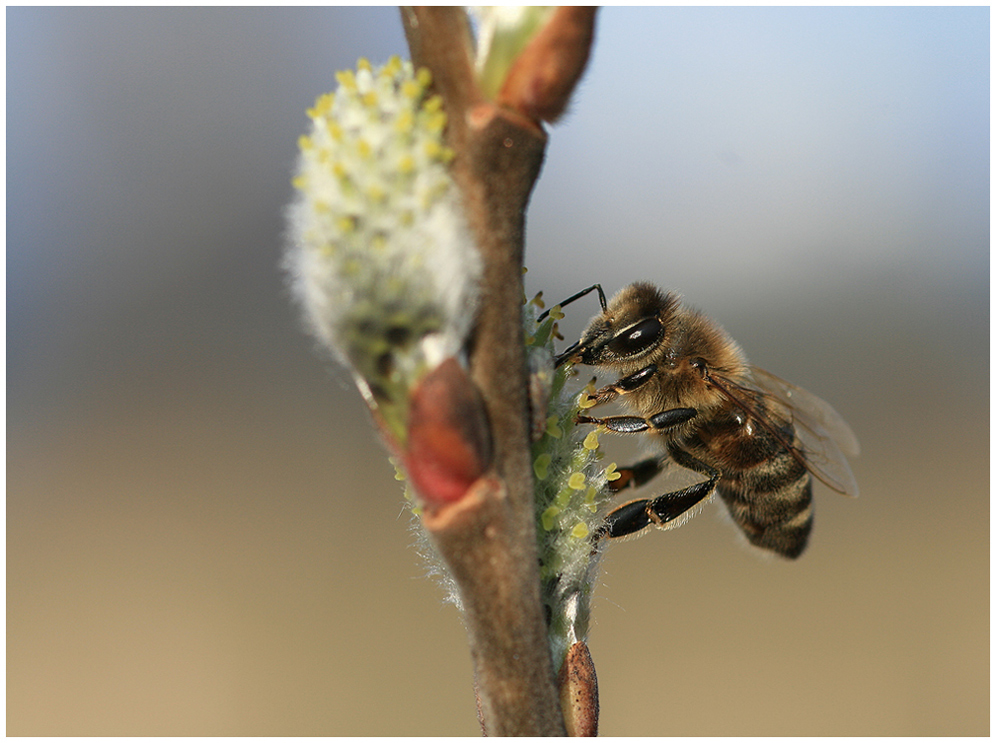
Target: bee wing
810, 409
825, 436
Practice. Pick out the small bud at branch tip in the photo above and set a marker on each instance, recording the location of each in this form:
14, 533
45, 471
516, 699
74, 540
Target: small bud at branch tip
542, 78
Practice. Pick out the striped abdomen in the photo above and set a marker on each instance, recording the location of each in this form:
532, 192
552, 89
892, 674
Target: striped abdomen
764, 484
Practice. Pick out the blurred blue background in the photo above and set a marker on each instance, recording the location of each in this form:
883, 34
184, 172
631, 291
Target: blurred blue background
203, 535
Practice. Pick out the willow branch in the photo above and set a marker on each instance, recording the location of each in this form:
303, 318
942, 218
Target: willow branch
488, 538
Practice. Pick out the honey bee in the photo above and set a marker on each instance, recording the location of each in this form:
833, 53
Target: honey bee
757, 440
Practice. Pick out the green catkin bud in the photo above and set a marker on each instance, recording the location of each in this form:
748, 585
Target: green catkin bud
571, 490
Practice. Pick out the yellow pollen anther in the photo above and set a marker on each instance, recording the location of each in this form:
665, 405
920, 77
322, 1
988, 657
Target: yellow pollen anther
549, 518
406, 164
393, 66
376, 193
610, 473
323, 104
541, 466
346, 79
433, 104
404, 123
436, 122
411, 89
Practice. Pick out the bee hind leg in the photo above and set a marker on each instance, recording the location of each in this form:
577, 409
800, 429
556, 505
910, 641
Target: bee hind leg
633, 517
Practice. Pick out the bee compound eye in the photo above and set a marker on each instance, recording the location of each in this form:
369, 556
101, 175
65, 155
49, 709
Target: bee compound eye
637, 338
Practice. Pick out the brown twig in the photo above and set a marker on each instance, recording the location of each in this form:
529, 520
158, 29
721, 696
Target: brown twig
488, 538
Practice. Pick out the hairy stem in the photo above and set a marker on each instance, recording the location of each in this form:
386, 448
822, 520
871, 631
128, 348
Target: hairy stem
489, 539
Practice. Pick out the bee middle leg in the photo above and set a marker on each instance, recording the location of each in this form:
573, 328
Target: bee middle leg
639, 474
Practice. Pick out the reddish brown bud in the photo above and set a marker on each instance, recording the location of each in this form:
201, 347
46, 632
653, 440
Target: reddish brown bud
540, 81
579, 692
449, 440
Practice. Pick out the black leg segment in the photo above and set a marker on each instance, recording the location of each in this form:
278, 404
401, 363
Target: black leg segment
633, 424
632, 518
639, 474
635, 516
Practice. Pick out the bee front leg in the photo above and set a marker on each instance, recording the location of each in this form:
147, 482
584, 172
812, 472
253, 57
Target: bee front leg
624, 386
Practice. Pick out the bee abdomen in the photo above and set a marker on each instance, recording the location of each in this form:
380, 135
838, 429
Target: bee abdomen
772, 503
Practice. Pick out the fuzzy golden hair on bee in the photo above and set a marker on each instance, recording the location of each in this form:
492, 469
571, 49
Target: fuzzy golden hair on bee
758, 441
706, 339
685, 340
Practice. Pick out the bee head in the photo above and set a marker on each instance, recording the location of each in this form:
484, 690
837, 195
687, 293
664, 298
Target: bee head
633, 324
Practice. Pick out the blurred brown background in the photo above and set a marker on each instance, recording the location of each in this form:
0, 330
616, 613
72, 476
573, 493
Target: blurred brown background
203, 534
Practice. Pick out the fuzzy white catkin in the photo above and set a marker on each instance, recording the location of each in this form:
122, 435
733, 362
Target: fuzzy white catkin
380, 255
383, 263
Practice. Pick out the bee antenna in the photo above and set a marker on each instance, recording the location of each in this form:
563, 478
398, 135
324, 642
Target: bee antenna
583, 293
